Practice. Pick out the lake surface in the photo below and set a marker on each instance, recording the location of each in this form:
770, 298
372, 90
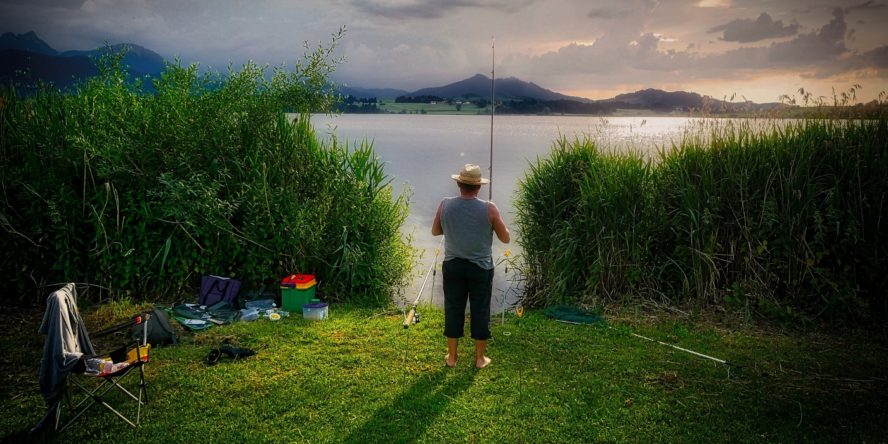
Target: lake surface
421, 152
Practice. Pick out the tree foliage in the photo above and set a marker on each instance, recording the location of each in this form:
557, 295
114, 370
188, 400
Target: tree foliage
142, 192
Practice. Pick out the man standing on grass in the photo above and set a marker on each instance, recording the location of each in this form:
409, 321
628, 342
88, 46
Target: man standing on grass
468, 224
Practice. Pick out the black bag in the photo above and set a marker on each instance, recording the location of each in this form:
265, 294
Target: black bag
160, 332
218, 288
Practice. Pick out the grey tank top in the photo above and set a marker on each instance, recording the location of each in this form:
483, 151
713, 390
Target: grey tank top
467, 231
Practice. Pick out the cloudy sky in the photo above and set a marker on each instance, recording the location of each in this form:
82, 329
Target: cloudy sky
756, 49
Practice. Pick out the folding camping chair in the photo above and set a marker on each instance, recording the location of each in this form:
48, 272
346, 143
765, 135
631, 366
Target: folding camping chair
70, 362
109, 370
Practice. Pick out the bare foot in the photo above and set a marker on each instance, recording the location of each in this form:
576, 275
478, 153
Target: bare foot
449, 362
484, 362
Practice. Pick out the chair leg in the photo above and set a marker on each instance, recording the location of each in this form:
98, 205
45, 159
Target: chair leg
117, 413
142, 383
96, 394
58, 412
93, 397
58, 407
143, 390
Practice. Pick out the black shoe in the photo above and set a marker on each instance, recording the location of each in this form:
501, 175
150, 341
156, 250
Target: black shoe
213, 356
234, 353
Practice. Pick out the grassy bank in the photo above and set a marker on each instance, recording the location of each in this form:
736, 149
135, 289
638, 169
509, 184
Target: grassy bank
781, 219
359, 377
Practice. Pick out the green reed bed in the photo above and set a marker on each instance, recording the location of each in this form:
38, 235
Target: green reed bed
142, 190
777, 218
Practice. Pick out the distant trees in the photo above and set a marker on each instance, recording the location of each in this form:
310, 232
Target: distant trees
526, 105
534, 106
418, 99
364, 105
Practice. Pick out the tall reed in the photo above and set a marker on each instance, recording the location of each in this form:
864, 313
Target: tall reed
143, 192
783, 219
583, 221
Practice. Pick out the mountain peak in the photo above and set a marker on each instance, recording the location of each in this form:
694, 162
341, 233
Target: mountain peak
659, 99
479, 85
138, 58
28, 53
26, 42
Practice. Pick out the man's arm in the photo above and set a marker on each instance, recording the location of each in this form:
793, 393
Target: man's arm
437, 230
499, 227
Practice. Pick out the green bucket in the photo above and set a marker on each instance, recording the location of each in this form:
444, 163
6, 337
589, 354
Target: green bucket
292, 299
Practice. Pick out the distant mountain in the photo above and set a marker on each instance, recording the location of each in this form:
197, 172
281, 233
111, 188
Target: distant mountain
27, 68
26, 59
659, 99
26, 42
520, 97
479, 86
368, 93
138, 58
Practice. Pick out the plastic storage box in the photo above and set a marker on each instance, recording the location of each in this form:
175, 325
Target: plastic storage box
316, 311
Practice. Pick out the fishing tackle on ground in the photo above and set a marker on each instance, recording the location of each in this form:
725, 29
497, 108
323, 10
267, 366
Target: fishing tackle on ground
412, 316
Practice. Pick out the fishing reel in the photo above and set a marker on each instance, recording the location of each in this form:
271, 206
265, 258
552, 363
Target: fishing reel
411, 318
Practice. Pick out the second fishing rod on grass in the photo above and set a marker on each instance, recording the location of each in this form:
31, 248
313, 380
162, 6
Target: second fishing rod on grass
412, 316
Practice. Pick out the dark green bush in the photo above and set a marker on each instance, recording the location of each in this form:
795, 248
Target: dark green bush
142, 193
787, 221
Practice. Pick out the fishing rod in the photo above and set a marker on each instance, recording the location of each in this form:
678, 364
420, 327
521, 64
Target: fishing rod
720, 361
490, 185
412, 317
492, 110
698, 354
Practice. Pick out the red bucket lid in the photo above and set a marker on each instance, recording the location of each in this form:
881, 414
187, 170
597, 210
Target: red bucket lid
298, 279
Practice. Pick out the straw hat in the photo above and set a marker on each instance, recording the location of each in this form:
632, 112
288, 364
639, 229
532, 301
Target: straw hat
470, 175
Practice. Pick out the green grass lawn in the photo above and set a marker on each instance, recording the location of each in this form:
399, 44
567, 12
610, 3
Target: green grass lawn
360, 377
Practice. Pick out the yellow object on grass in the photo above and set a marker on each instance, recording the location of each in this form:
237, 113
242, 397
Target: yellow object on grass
142, 350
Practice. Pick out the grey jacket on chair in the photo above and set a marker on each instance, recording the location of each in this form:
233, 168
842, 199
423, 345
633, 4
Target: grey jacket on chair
66, 342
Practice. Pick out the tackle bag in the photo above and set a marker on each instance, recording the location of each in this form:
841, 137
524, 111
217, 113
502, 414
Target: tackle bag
160, 331
214, 289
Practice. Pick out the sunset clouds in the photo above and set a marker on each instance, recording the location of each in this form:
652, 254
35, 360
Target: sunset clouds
762, 28
757, 48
